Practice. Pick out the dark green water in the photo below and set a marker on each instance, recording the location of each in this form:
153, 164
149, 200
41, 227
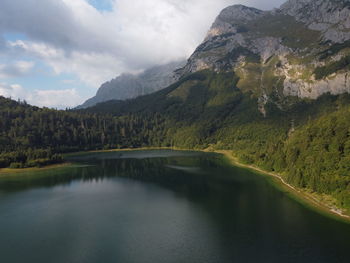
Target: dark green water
160, 206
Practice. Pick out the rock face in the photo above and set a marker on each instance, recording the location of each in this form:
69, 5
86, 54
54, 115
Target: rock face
128, 86
230, 18
331, 17
224, 37
338, 84
301, 49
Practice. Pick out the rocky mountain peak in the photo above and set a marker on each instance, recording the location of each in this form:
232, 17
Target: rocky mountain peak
231, 18
239, 13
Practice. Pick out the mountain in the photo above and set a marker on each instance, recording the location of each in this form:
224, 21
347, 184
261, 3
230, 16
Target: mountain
301, 49
270, 86
128, 86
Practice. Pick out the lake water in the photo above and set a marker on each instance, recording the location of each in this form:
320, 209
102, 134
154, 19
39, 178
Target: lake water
160, 206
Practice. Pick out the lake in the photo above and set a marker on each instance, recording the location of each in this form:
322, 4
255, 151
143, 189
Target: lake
160, 206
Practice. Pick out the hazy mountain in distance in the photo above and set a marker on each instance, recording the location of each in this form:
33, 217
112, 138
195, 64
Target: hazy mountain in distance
128, 86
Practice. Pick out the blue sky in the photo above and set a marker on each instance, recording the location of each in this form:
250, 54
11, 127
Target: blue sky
58, 55
40, 77
102, 5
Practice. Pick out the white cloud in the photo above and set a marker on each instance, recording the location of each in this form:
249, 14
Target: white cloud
91, 68
16, 69
13, 91
49, 98
56, 98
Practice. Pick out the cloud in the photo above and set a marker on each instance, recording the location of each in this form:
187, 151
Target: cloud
49, 98
69, 81
16, 69
10, 90
56, 98
92, 68
131, 36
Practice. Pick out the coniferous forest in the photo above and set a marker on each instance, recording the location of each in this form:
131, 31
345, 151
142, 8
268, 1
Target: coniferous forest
32, 136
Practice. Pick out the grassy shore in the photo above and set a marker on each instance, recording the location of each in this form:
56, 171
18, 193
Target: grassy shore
10, 171
322, 203
124, 150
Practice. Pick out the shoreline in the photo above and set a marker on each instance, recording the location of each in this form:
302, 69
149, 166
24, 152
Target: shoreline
312, 200
11, 171
126, 150
302, 196
307, 199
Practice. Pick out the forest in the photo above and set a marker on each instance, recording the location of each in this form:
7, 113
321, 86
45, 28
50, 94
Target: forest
342, 64
32, 136
306, 141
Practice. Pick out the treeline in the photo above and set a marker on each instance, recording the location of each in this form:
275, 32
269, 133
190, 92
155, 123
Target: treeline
29, 158
318, 155
333, 67
31, 136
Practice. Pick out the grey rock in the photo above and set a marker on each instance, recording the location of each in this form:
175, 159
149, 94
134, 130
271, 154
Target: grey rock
331, 17
267, 47
231, 18
335, 85
128, 86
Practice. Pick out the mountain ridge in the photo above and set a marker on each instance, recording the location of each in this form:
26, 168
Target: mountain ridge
128, 86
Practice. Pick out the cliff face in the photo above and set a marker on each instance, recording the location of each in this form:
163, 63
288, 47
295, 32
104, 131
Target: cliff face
128, 86
301, 49
329, 17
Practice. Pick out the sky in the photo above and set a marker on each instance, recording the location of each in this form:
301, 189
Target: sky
57, 53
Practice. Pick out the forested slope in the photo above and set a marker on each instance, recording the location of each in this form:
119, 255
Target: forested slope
31, 136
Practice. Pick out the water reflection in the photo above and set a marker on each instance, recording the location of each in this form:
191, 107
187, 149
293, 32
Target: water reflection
160, 206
